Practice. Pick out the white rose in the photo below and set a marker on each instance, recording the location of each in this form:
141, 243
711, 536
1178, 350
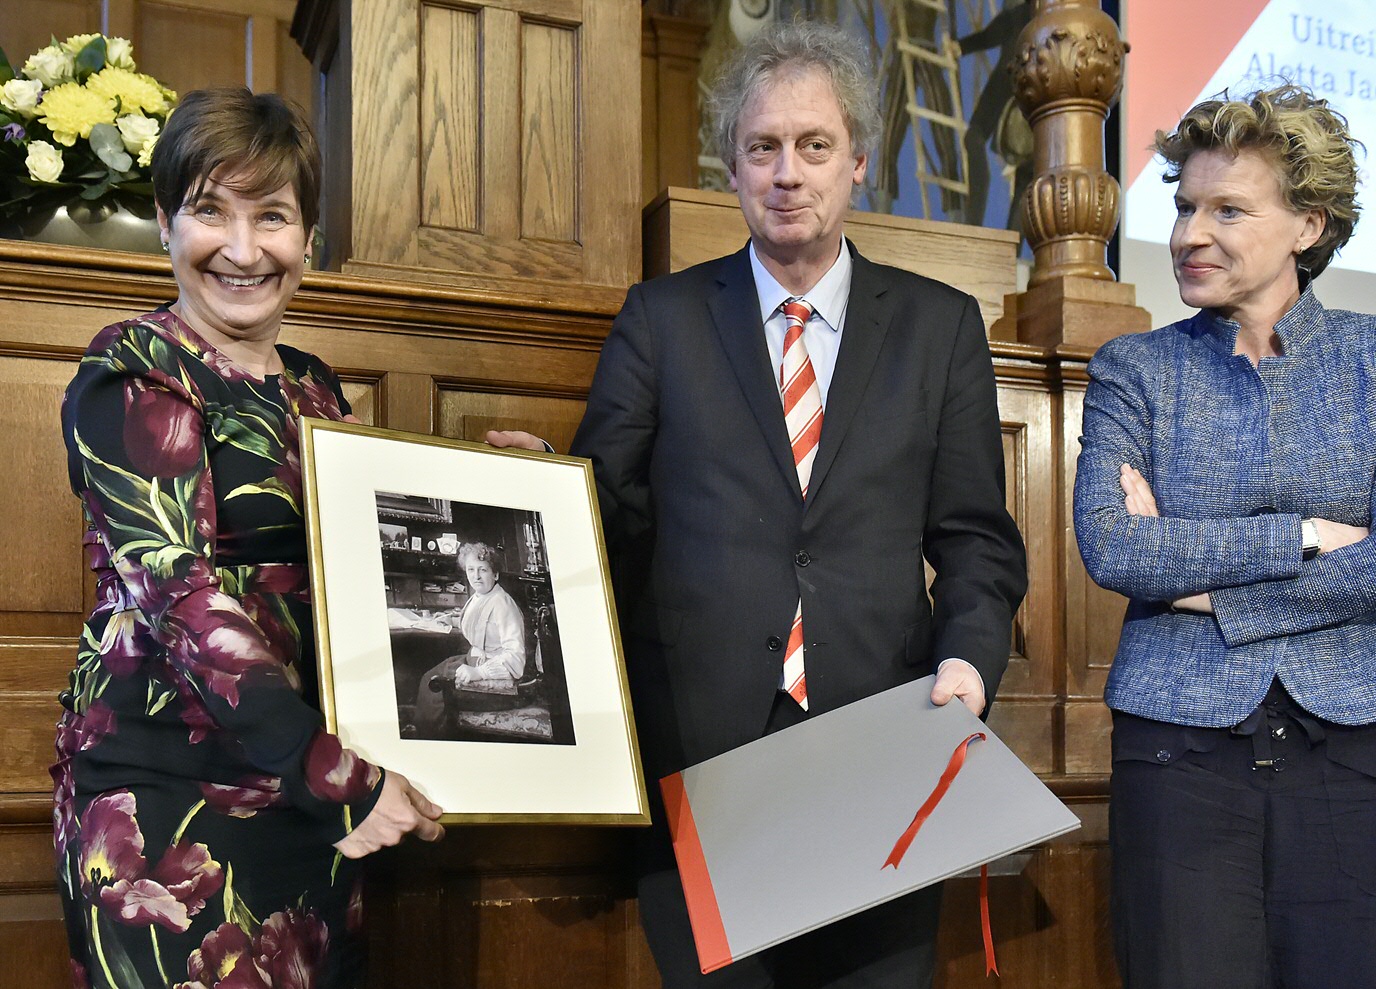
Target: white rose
21, 96
52, 66
44, 162
119, 53
137, 131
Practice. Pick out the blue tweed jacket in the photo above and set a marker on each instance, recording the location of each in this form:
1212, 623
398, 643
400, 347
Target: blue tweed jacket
1236, 455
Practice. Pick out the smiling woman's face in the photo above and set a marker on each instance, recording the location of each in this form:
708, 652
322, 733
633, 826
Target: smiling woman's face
238, 259
1235, 241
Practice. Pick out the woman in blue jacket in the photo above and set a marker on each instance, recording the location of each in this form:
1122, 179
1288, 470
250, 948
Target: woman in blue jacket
1225, 486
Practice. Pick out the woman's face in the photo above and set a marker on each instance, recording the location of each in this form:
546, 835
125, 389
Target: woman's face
238, 259
481, 576
1235, 239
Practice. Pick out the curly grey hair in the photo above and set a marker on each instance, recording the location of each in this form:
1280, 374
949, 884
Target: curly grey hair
799, 45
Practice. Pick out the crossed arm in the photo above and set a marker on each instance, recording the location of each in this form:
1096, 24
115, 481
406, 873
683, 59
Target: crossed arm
1138, 500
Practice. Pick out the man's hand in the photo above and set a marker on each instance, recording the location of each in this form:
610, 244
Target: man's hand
959, 679
518, 438
1137, 496
400, 811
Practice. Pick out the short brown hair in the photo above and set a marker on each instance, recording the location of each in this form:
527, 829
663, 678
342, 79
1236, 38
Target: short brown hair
1306, 140
262, 138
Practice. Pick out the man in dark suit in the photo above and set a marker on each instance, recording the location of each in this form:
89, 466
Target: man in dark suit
767, 571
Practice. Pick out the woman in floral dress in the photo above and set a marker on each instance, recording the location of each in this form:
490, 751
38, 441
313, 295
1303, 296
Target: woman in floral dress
206, 825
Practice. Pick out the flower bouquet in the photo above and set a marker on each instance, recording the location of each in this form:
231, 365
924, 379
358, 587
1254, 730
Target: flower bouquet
77, 127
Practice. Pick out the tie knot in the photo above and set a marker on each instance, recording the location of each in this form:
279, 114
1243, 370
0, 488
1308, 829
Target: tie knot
797, 311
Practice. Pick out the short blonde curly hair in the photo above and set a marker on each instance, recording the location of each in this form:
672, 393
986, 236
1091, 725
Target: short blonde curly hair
1306, 139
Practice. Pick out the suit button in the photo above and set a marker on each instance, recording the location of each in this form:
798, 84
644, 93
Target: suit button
801, 558
1163, 756
774, 643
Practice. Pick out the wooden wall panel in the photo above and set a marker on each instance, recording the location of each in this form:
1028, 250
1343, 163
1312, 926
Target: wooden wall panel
33, 671
1092, 620
527, 171
671, 53
1025, 716
294, 76
468, 415
28, 25
386, 186
363, 398
450, 118
163, 48
549, 122
39, 516
33, 942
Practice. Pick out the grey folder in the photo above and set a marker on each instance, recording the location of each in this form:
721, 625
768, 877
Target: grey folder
792, 831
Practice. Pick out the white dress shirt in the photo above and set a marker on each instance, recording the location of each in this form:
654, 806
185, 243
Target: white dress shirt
821, 333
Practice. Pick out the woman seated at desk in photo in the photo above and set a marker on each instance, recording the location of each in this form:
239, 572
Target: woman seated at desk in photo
495, 628
491, 622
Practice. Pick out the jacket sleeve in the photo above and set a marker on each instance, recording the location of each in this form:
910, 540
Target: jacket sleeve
969, 537
618, 434
137, 457
1334, 588
1158, 558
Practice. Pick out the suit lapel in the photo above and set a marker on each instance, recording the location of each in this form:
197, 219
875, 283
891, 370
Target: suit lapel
735, 312
867, 324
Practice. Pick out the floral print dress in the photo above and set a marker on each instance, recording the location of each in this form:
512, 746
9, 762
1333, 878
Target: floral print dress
197, 794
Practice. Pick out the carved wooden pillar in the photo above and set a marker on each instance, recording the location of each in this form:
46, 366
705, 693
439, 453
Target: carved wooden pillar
1068, 72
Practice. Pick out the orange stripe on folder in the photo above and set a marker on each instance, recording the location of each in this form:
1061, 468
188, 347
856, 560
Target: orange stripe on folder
709, 932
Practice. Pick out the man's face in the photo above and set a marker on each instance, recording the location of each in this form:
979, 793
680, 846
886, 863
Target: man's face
794, 170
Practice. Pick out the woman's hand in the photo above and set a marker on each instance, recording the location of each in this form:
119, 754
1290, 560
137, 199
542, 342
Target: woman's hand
1138, 500
518, 438
400, 811
1137, 496
1336, 535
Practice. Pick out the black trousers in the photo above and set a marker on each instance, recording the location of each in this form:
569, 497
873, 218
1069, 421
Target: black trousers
891, 946
1244, 857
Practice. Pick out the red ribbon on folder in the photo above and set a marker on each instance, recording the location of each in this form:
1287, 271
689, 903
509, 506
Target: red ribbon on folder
900, 847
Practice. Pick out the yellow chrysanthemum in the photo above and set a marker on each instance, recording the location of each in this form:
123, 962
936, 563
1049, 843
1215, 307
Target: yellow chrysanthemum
134, 90
70, 111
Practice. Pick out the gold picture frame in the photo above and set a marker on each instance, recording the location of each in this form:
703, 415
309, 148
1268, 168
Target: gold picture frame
472, 647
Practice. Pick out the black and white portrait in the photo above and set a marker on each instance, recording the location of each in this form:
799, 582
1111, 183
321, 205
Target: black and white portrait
472, 622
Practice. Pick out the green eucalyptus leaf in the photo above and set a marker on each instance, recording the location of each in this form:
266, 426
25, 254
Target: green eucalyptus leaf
91, 58
108, 146
96, 191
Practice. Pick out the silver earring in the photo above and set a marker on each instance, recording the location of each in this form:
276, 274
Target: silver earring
166, 249
308, 259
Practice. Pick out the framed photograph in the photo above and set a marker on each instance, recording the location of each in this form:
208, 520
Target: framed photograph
465, 624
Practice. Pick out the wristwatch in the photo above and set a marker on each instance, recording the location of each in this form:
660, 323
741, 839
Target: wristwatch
1309, 539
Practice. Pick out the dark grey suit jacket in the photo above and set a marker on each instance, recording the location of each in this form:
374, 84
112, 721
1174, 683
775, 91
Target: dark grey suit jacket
712, 545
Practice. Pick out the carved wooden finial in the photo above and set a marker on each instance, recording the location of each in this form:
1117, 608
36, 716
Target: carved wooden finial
1068, 72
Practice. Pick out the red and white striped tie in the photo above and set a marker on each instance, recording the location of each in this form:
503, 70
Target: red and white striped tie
803, 413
